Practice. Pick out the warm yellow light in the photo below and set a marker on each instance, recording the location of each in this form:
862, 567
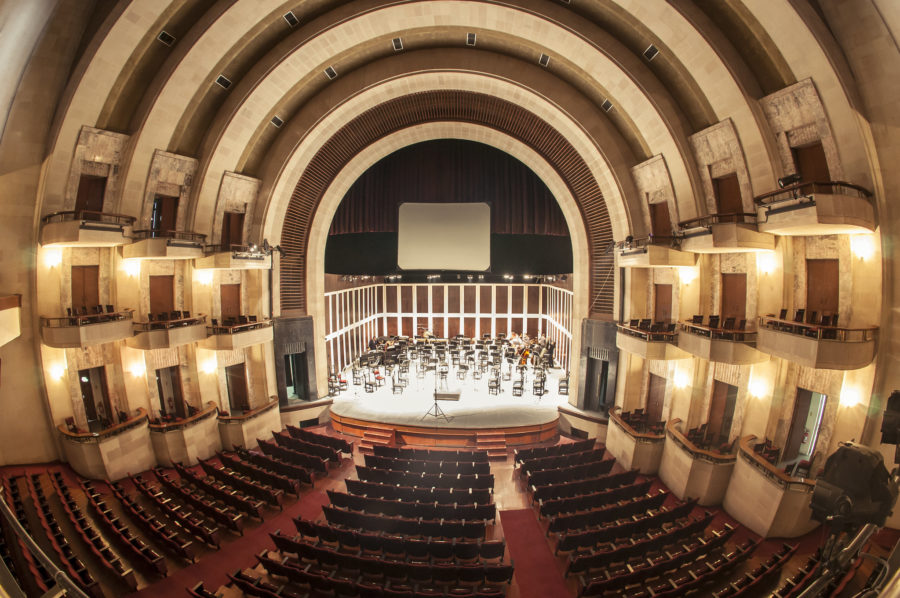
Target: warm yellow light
209, 366
52, 256
132, 267
57, 371
681, 379
862, 246
766, 262
138, 369
850, 397
757, 387
687, 275
204, 276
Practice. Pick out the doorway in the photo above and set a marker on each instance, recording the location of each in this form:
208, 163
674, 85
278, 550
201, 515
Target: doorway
164, 216
811, 163
236, 381
734, 296
727, 190
803, 434
231, 300
656, 395
660, 224
162, 295
721, 413
296, 376
232, 229
171, 396
95, 397
663, 310
90, 193
85, 287
596, 384
822, 288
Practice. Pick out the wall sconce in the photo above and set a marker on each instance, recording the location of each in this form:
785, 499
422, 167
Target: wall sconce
687, 275
862, 246
52, 256
681, 379
766, 262
137, 369
132, 268
204, 277
757, 387
850, 397
57, 371
209, 366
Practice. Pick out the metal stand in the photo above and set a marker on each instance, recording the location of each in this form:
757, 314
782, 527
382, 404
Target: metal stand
436, 412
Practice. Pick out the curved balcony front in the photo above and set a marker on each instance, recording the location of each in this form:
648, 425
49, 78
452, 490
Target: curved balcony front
167, 334
689, 471
228, 337
652, 252
187, 440
632, 449
234, 257
821, 208
246, 428
724, 233
10, 318
79, 331
650, 341
84, 228
817, 346
112, 453
164, 245
723, 345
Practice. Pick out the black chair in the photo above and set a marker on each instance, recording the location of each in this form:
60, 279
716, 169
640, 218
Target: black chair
564, 385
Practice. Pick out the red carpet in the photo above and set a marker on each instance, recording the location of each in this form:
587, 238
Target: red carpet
537, 572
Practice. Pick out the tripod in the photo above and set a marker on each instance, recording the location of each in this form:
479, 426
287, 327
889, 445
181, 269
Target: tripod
436, 411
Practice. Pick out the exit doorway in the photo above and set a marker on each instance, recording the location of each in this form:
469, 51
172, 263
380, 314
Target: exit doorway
296, 376
171, 395
95, 397
801, 441
236, 381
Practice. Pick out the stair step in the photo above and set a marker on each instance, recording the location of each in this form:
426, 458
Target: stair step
387, 434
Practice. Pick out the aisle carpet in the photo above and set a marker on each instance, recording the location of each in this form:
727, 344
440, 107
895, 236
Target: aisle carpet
537, 572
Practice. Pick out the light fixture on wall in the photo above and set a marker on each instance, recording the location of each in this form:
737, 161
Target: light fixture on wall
204, 277
687, 275
757, 387
209, 366
132, 268
850, 396
52, 256
137, 369
681, 379
57, 371
766, 262
862, 246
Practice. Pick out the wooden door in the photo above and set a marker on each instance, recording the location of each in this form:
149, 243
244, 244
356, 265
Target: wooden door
663, 309
236, 380
171, 394
90, 193
231, 300
165, 213
656, 394
734, 296
85, 287
822, 285
727, 190
162, 294
660, 223
811, 163
798, 425
232, 229
721, 412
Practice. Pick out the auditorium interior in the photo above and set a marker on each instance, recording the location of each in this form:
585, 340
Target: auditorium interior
463, 298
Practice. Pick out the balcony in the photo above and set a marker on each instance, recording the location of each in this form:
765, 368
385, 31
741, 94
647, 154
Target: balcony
164, 245
733, 344
111, 453
689, 470
823, 346
234, 257
168, 333
79, 331
652, 252
635, 442
231, 335
186, 440
658, 340
83, 228
724, 233
826, 208
10, 318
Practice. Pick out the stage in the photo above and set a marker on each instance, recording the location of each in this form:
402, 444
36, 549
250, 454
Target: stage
523, 419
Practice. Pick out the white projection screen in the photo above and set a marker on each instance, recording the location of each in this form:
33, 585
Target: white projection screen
444, 236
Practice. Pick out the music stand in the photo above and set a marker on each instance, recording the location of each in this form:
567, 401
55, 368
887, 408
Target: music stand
436, 411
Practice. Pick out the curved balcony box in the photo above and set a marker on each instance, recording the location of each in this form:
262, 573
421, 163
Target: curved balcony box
830, 208
186, 441
719, 347
113, 453
85, 229
634, 450
689, 471
595, 424
165, 335
724, 233
244, 429
234, 257
84, 331
648, 345
850, 349
164, 245
228, 338
653, 256
766, 500
295, 412
10, 318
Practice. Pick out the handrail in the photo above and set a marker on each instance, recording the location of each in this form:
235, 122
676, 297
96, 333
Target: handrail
86, 319
243, 251
769, 470
692, 449
818, 331
642, 242
71, 215
626, 427
180, 424
237, 419
56, 574
710, 219
728, 334
10, 301
799, 190
167, 324
234, 328
155, 233
105, 433
648, 335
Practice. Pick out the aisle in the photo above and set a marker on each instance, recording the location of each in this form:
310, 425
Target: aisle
537, 571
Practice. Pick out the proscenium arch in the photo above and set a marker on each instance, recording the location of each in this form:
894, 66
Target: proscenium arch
328, 205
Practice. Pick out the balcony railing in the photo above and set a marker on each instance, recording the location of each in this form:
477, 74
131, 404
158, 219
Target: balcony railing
133, 422
245, 251
770, 471
820, 331
248, 415
172, 424
236, 327
739, 334
695, 451
88, 215
799, 190
652, 332
139, 235
640, 245
711, 219
635, 424
85, 319
169, 324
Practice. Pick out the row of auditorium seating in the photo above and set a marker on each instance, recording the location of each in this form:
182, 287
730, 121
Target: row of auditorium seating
404, 525
607, 513
634, 526
272, 497
417, 466
326, 453
92, 539
136, 548
36, 573
592, 500
155, 528
421, 454
751, 582
189, 519
438, 480
338, 444
276, 465
220, 512
259, 474
598, 483
311, 463
640, 422
628, 547
795, 584
403, 548
460, 496
579, 446
574, 472
232, 497
619, 575
424, 510
530, 466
